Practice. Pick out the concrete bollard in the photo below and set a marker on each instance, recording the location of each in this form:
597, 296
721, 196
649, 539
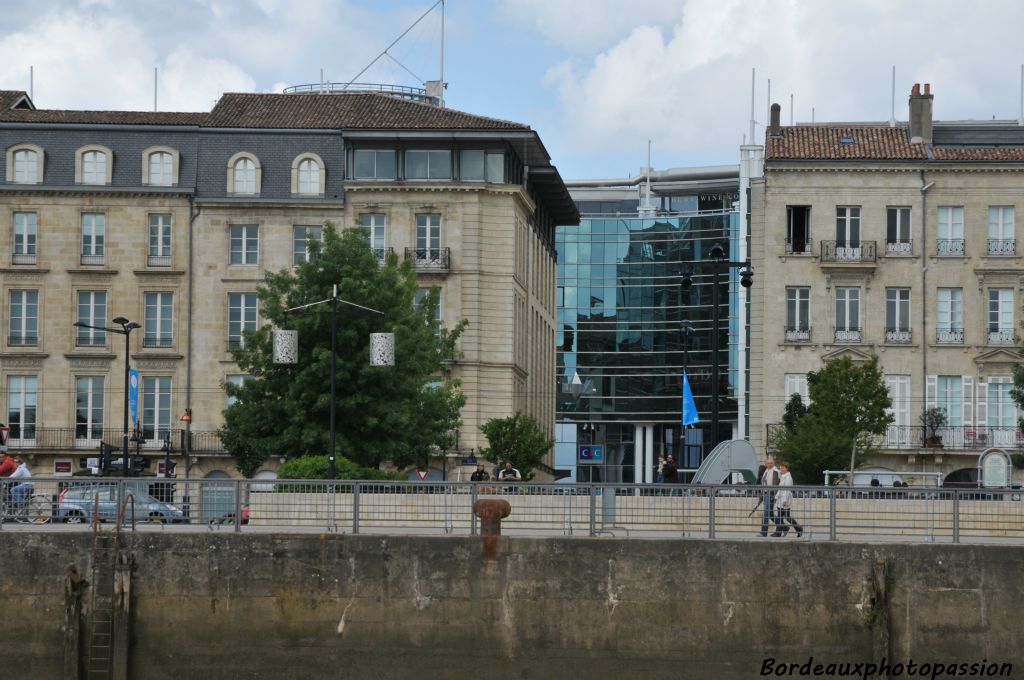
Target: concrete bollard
491, 511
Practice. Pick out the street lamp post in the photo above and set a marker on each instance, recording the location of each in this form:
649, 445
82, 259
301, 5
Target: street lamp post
685, 331
126, 328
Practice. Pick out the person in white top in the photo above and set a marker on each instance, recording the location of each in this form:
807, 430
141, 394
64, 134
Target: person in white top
769, 478
23, 489
783, 505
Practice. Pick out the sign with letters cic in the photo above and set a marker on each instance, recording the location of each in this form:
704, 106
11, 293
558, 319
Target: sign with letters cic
591, 453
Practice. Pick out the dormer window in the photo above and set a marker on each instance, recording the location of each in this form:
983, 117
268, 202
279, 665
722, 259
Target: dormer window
25, 164
93, 165
160, 166
428, 164
308, 176
244, 174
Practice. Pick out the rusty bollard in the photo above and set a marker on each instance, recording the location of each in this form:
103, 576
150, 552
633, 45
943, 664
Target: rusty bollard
491, 511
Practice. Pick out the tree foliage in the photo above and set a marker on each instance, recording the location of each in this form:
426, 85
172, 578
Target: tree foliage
518, 440
849, 406
316, 467
794, 411
398, 413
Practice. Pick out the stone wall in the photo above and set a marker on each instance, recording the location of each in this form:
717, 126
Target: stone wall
260, 605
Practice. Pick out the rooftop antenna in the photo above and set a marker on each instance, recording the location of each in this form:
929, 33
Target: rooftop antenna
753, 77
1020, 117
154, 87
812, 115
790, 109
647, 209
321, 81
31, 79
769, 109
892, 109
442, 54
395, 42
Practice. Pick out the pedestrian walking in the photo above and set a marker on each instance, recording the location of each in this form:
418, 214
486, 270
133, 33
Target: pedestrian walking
783, 505
770, 477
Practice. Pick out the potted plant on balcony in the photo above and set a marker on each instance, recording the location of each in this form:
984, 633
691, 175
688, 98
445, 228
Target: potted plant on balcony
933, 418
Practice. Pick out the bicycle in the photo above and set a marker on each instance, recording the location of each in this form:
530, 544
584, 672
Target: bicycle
36, 509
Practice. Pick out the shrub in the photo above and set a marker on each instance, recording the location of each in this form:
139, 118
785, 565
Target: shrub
315, 467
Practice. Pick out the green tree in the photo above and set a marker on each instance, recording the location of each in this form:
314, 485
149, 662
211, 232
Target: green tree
382, 413
518, 440
849, 407
794, 411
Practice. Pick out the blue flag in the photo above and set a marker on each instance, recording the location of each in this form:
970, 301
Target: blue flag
690, 415
133, 396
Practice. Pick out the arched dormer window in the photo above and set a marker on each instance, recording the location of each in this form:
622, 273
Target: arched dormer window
94, 164
24, 164
160, 166
244, 174
308, 176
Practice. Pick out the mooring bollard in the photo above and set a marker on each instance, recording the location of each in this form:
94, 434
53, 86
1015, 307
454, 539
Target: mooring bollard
491, 511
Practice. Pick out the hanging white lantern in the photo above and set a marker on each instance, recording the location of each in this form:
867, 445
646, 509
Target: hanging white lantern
382, 349
286, 347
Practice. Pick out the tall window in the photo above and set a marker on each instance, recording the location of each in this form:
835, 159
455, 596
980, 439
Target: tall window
1002, 411
897, 235
796, 383
899, 394
89, 407
25, 235
1000, 316
158, 324
92, 310
949, 321
23, 321
156, 408
245, 243
798, 320
951, 230
245, 176
847, 314
848, 226
26, 167
376, 224
94, 167
93, 233
302, 236
1000, 230
160, 240
798, 229
309, 177
428, 164
374, 164
897, 315
421, 297
21, 406
428, 237
950, 398
241, 317
161, 169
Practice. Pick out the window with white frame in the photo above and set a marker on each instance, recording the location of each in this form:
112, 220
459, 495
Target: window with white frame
1000, 230
26, 166
374, 164
94, 227
423, 164
25, 237
897, 315
21, 406
302, 236
156, 408
241, 317
1002, 410
160, 240
422, 295
23, 318
89, 407
798, 320
245, 244
951, 230
308, 177
244, 176
428, 237
94, 167
897, 235
949, 396
848, 226
158, 322
238, 380
1000, 316
899, 394
847, 314
161, 169
92, 311
796, 383
376, 224
949, 318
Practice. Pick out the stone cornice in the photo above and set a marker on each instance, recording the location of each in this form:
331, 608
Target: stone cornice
32, 271
159, 272
99, 271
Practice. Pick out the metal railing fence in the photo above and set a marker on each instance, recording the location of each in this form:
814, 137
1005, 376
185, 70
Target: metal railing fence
651, 510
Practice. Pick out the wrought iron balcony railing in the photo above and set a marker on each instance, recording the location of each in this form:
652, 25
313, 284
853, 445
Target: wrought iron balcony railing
956, 438
92, 260
899, 248
1002, 247
898, 336
845, 252
949, 336
23, 258
429, 259
158, 260
86, 440
798, 334
157, 341
949, 246
799, 247
1001, 337
382, 254
847, 335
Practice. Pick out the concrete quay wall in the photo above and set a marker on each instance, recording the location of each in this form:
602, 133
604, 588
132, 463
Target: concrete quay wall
261, 605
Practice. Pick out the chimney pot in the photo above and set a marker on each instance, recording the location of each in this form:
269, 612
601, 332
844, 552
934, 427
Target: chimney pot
916, 89
927, 88
921, 114
775, 128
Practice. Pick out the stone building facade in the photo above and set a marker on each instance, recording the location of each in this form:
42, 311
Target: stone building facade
173, 219
895, 242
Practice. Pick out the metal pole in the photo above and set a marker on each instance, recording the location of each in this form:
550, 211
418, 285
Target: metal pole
334, 362
127, 347
716, 316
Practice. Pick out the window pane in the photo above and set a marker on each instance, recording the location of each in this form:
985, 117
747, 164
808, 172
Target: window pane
471, 165
416, 164
385, 164
440, 163
496, 167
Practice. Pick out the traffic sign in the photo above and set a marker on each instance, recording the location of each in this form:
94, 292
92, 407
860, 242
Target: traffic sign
423, 474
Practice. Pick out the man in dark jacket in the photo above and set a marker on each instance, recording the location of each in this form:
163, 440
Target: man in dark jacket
669, 469
480, 474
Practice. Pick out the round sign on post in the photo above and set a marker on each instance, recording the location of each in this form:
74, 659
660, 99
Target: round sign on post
382, 349
286, 347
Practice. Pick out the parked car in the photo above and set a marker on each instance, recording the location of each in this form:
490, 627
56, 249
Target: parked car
76, 504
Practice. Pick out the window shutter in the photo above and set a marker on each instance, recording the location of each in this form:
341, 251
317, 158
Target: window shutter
981, 405
931, 391
968, 405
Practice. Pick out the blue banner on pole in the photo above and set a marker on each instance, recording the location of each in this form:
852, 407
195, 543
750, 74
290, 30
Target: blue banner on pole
133, 397
690, 415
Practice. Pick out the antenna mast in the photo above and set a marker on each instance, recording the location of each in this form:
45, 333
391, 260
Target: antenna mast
892, 110
442, 54
753, 76
155, 71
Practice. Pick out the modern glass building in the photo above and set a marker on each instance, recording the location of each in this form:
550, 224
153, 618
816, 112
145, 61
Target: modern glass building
622, 305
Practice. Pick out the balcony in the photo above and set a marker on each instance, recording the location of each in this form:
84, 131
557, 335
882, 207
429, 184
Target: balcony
92, 340
840, 252
157, 341
949, 247
1002, 247
93, 260
956, 438
382, 254
798, 334
949, 336
799, 247
1002, 337
898, 336
158, 261
899, 248
29, 438
429, 259
23, 258
847, 336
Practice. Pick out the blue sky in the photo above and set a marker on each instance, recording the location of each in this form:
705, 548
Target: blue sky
596, 78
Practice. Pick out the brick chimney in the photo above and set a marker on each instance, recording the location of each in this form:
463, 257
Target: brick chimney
775, 129
921, 114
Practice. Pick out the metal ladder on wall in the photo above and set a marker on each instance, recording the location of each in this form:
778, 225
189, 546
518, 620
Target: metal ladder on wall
100, 632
